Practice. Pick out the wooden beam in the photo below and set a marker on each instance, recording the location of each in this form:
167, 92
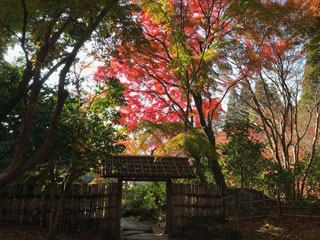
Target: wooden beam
118, 213
169, 210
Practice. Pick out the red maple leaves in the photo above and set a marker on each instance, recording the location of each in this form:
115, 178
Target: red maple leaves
175, 61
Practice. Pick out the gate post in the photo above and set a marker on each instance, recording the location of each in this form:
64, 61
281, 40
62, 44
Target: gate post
169, 210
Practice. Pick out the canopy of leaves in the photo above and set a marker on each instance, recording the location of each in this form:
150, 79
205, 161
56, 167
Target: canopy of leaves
193, 143
88, 133
48, 36
149, 136
184, 55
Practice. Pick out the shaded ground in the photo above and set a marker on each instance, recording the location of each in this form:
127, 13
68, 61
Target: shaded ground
134, 230
290, 228
11, 232
258, 229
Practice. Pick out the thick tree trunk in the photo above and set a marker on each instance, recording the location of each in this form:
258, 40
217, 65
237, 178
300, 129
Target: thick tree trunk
19, 165
217, 173
199, 171
8, 175
213, 160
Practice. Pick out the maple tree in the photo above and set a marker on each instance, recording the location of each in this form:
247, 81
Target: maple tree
275, 87
180, 69
149, 136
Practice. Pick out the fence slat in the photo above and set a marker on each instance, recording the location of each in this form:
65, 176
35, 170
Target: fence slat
85, 208
195, 206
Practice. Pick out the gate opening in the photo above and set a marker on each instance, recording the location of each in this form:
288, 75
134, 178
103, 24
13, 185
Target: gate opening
147, 168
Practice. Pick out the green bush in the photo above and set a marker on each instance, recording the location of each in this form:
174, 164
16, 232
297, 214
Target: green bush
144, 200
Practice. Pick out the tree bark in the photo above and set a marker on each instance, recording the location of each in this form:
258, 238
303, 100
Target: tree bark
213, 160
199, 171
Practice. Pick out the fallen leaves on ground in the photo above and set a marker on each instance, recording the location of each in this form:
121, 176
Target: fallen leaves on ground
279, 229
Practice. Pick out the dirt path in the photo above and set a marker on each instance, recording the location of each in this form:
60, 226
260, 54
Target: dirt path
133, 230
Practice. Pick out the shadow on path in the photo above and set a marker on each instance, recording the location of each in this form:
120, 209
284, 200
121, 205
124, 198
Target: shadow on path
135, 231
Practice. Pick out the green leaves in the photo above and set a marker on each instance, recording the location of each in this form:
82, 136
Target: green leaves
243, 154
88, 132
193, 143
144, 200
10, 76
250, 8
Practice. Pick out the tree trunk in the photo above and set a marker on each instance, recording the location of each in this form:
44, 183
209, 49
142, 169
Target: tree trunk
199, 171
213, 160
217, 174
8, 175
18, 164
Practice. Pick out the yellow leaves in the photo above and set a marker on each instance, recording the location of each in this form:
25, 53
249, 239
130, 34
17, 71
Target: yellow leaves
38, 45
97, 179
33, 61
193, 143
209, 55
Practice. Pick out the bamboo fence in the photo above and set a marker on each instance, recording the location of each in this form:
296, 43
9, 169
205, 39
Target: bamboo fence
96, 207
194, 206
249, 207
86, 208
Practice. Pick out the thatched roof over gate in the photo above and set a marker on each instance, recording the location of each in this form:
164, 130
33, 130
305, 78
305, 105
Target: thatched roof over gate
147, 168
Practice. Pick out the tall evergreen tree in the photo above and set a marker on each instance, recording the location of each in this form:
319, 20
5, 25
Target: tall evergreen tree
243, 99
310, 85
233, 105
260, 92
237, 104
311, 81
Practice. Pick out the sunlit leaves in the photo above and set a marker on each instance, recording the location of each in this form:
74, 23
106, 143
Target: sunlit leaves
193, 143
181, 54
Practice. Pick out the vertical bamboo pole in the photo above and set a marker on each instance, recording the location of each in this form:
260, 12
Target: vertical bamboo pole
169, 209
118, 213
